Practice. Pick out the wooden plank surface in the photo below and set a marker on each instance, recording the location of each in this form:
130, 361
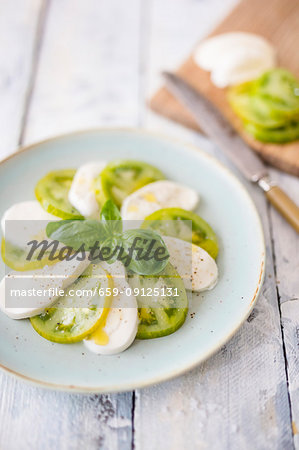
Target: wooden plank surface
239, 399
18, 28
278, 21
34, 418
286, 248
89, 67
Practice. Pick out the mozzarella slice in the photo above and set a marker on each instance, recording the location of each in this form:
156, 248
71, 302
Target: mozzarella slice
119, 330
158, 195
32, 220
49, 281
209, 51
233, 58
195, 266
81, 193
239, 66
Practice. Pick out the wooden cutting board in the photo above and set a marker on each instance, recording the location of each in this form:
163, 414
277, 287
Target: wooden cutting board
277, 21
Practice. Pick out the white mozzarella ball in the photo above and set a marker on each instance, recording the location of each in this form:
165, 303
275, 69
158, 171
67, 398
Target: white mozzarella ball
119, 330
233, 58
194, 265
49, 280
158, 195
81, 193
32, 220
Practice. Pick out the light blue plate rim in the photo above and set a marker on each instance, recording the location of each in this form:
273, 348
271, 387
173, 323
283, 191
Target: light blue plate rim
194, 151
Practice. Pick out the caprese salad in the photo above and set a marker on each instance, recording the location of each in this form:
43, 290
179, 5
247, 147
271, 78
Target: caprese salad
118, 230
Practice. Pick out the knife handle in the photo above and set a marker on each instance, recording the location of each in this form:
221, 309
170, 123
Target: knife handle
282, 202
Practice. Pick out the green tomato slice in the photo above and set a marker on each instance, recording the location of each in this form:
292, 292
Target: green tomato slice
15, 258
52, 193
162, 301
120, 178
276, 135
269, 106
67, 323
185, 225
253, 108
281, 89
271, 101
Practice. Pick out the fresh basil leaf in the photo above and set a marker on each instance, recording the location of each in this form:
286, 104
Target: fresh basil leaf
145, 252
110, 211
53, 226
75, 233
110, 248
110, 215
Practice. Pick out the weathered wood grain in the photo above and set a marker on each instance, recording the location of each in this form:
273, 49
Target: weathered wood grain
286, 248
88, 74
34, 418
18, 27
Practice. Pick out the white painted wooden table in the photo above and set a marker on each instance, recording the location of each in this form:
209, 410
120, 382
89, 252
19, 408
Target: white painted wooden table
73, 64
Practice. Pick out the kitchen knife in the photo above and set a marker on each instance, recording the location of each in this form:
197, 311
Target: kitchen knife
216, 127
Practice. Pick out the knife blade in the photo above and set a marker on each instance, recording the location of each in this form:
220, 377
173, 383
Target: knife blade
216, 127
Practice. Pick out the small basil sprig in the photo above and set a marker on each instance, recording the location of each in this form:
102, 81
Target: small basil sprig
142, 251
112, 222
110, 211
111, 218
